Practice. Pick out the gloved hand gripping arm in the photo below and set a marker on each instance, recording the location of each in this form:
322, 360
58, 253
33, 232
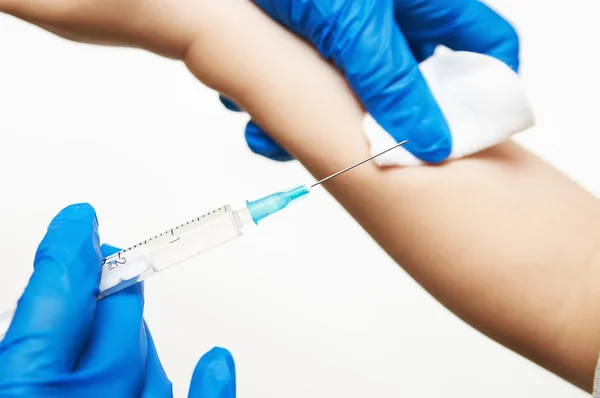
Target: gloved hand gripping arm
377, 44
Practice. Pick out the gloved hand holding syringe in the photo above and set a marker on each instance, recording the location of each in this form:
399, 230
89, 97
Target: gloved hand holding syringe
138, 262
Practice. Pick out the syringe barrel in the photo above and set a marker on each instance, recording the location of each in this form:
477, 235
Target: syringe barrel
162, 251
136, 263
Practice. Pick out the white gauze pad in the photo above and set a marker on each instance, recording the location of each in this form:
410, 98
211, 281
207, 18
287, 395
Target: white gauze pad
483, 100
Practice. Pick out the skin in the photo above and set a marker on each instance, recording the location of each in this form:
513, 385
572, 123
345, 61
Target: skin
501, 238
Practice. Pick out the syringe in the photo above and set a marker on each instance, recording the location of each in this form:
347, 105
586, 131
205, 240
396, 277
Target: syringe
185, 241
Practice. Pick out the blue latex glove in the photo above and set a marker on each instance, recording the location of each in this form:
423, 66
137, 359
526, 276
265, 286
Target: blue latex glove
64, 343
377, 44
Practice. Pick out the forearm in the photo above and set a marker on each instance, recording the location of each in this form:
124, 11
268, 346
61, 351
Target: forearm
502, 239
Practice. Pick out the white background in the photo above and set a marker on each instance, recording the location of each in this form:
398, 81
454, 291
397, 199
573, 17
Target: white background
309, 305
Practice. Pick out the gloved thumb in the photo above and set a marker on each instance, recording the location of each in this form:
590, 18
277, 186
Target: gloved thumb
214, 376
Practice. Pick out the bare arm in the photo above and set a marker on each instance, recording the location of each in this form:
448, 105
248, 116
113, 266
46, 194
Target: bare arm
502, 239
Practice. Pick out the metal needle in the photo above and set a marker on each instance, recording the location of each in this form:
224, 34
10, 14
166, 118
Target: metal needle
357, 164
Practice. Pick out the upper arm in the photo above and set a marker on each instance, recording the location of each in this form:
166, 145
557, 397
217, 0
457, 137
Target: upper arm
501, 238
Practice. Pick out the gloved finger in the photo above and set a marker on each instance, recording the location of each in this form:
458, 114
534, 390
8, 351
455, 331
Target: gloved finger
421, 51
466, 25
260, 143
55, 314
229, 104
214, 376
117, 350
365, 42
157, 384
